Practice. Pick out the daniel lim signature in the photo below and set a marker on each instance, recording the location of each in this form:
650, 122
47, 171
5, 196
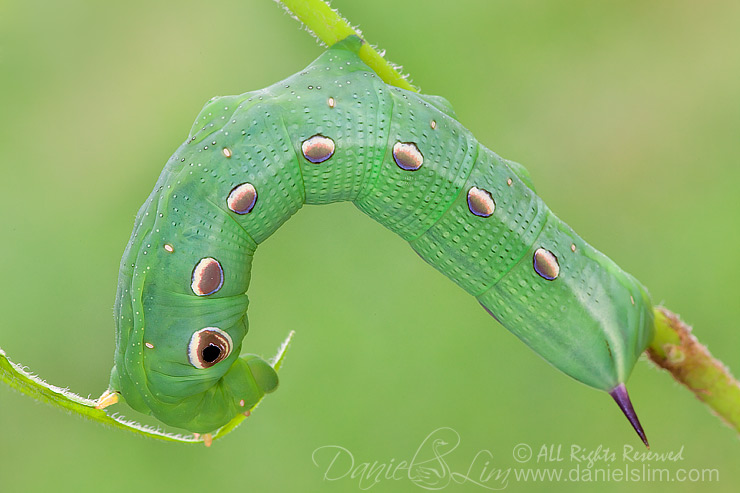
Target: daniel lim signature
428, 467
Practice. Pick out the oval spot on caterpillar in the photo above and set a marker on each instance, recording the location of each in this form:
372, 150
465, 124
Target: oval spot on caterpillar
208, 346
242, 198
318, 148
208, 277
480, 202
407, 156
546, 264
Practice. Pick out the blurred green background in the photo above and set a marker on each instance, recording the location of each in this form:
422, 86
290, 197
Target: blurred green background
627, 115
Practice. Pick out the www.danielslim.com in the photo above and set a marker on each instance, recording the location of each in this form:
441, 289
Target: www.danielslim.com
626, 473
438, 462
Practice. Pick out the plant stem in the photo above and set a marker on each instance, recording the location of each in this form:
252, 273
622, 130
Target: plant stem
329, 27
21, 380
675, 349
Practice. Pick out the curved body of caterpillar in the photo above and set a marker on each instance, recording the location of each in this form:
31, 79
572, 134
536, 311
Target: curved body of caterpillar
336, 132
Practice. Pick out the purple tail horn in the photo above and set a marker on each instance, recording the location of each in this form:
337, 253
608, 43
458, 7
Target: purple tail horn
622, 398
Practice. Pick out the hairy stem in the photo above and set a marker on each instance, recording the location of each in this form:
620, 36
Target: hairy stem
329, 27
675, 349
21, 380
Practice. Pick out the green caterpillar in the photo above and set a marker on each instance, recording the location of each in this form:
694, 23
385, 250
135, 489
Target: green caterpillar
333, 132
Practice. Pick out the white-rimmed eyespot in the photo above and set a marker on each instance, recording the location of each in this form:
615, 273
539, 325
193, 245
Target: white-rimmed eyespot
209, 346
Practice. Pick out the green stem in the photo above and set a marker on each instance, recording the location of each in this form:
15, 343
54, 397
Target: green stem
676, 350
329, 26
21, 380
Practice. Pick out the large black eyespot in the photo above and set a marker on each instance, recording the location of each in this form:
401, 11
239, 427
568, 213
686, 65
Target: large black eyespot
208, 346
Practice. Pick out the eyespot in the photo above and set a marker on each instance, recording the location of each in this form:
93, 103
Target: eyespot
408, 157
209, 346
318, 148
546, 264
207, 277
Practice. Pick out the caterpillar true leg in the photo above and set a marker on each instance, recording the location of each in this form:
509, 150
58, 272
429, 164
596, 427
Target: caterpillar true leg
107, 398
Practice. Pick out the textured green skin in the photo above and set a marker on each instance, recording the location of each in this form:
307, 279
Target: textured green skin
583, 322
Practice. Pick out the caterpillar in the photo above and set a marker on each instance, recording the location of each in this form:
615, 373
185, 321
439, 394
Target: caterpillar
336, 132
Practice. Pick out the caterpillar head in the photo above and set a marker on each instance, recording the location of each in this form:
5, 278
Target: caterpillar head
216, 387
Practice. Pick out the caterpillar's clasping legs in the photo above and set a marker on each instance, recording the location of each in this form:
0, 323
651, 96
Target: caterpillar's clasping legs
108, 398
622, 398
207, 438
